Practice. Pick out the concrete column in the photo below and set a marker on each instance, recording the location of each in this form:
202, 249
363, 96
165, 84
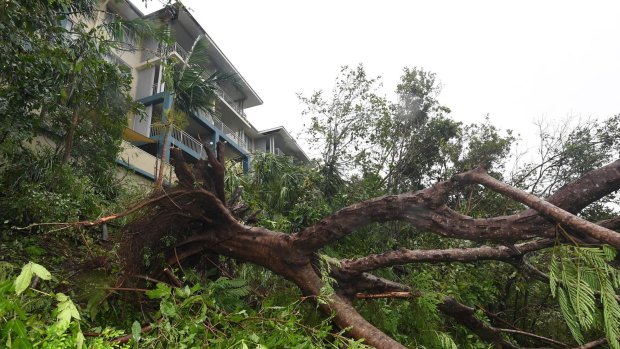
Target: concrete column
166, 106
216, 137
247, 162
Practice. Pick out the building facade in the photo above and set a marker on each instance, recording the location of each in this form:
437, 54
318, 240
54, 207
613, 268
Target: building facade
144, 137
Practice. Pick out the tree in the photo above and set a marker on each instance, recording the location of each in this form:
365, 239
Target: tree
193, 90
421, 138
63, 107
344, 126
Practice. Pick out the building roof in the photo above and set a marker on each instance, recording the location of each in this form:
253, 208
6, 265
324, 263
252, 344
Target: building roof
187, 20
290, 142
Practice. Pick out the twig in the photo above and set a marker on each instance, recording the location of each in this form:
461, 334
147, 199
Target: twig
128, 337
593, 344
533, 335
173, 278
178, 262
385, 295
131, 289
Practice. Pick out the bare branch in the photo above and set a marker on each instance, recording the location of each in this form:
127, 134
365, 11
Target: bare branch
593, 344
533, 335
386, 295
466, 317
404, 256
479, 176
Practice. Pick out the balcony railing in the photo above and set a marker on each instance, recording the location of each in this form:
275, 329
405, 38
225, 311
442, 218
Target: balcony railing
166, 50
230, 133
157, 88
178, 49
182, 137
233, 104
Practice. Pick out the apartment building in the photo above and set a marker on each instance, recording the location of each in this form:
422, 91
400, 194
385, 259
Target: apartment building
144, 138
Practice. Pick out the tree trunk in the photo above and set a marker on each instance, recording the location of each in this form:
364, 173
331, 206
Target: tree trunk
70, 135
159, 180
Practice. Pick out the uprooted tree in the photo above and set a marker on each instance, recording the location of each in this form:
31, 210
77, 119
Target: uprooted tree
197, 213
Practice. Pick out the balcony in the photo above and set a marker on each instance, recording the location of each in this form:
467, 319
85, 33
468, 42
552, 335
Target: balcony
186, 142
230, 133
232, 103
144, 163
178, 49
166, 51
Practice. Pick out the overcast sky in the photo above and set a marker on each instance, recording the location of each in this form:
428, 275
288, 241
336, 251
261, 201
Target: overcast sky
518, 62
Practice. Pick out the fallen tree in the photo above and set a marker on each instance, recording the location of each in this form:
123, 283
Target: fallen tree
198, 215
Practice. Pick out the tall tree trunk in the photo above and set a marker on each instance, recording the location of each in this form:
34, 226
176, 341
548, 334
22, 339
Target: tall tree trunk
159, 180
70, 135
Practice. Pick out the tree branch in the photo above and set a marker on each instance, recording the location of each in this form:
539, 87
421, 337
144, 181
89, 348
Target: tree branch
479, 176
426, 209
404, 256
466, 317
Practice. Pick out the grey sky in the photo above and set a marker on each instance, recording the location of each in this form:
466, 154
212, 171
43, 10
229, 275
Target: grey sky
517, 61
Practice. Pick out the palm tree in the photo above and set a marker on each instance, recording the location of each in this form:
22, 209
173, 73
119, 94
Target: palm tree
193, 89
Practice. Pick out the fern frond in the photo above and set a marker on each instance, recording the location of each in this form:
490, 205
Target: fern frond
554, 271
231, 287
582, 299
569, 315
445, 340
585, 286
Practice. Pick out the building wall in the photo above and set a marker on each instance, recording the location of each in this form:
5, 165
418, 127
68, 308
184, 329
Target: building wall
144, 66
143, 163
260, 144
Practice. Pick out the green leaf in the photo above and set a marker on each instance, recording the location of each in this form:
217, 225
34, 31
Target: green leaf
162, 291
168, 309
183, 292
40, 271
23, 280
66, 310
79, 340
136, 331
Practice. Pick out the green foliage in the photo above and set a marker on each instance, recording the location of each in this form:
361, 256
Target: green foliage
25, 277
584, 283
37, 187
215, 315
25, 315
342, 125
287, 194
60, 94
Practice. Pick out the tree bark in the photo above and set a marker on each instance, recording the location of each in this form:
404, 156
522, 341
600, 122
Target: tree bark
159, 181
70, 135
